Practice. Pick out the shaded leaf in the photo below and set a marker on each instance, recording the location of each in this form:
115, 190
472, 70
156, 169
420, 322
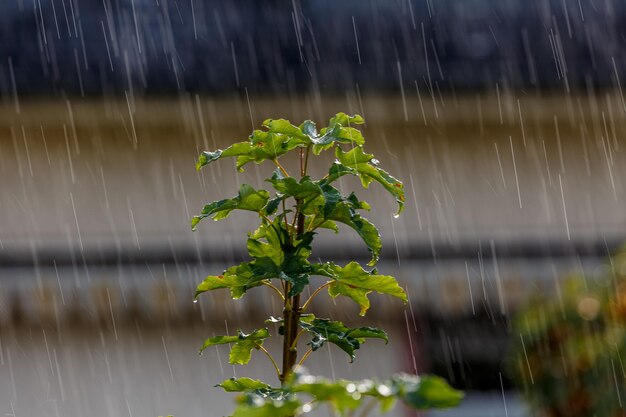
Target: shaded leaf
290, 187
247, 199
356, 283
343, 213
279, 258
346, 338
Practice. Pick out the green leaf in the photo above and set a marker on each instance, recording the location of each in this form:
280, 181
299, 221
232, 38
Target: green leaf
334, 393
356, 283
346, 120
241, 351
248, 199
344, 213
238, 279
363, 165
328, 224
290, 187
346, 338
424, 392
266, 145
338, 131
285, 127
268, 409
242, 384
272, 205
279, 258
240, 148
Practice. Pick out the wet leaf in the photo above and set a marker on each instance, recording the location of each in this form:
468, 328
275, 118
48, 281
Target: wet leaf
285, 127
241, 351
248, 199
346, 338
344, 213
363, 165
279, 258
206, 157
242, 384
304, 189
238, 279
356, 283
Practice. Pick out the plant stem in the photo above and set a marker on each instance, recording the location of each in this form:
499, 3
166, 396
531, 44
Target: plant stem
292, 304
306, 355
270, 285
280, 167
306, 304
306, 160
295, 341
271, 358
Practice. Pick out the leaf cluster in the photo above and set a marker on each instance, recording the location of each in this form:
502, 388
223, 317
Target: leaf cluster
290, 213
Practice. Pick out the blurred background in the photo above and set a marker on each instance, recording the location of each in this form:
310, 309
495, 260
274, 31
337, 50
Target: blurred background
503, 119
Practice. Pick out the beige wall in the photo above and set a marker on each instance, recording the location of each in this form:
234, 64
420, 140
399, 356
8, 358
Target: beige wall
122, 173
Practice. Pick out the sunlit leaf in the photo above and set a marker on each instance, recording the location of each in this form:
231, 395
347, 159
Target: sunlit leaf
266, 145
248, 199
356, 283
241, 351
363, 165
285, 127
242, 384
346, 120
237, 149
238, 279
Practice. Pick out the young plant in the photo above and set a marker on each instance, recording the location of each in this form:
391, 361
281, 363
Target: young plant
280, 250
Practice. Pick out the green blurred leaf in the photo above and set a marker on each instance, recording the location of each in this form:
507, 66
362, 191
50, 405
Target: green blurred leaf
242, 384
241, 351
346, 338
363, 165
424, 392
356, 283
278, 409
248, 199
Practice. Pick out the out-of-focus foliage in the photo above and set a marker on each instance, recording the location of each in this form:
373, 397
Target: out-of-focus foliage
259, 400
569, 350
